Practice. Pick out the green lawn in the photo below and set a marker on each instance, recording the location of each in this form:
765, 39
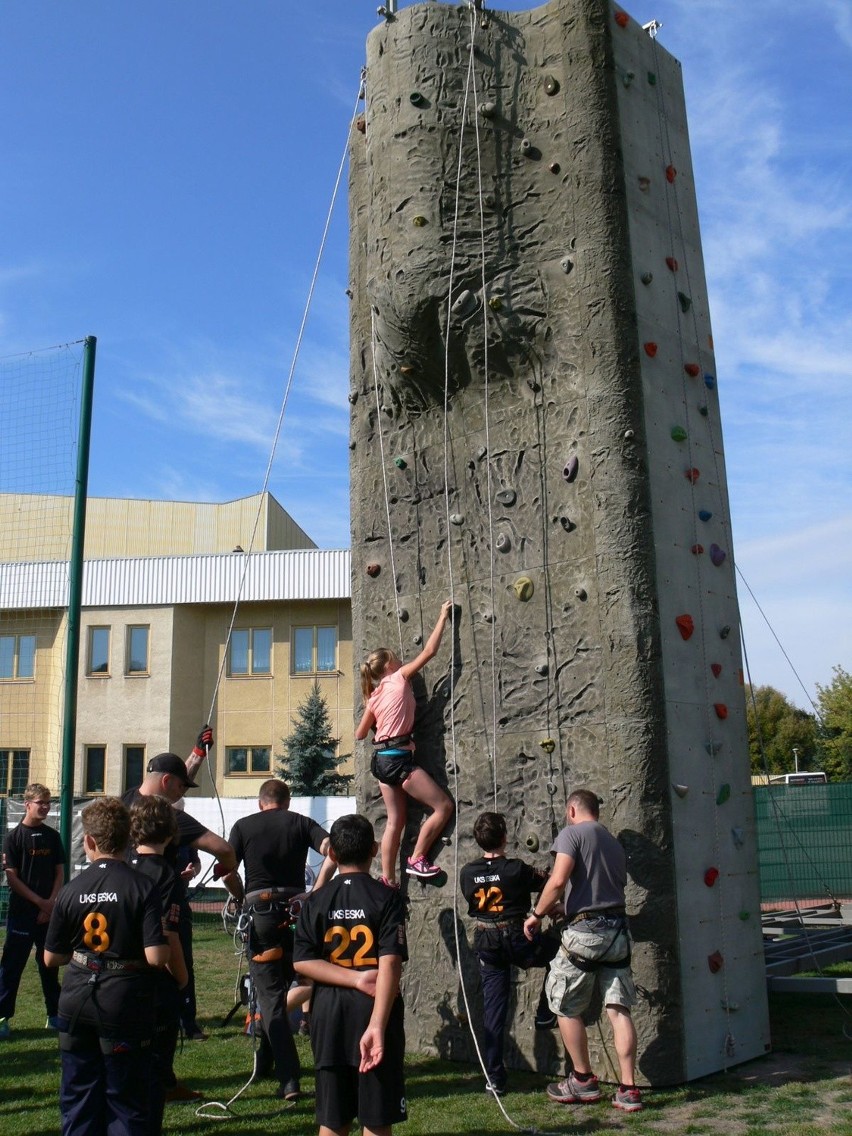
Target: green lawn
802, 1089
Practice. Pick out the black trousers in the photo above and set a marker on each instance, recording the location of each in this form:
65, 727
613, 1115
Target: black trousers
271, 970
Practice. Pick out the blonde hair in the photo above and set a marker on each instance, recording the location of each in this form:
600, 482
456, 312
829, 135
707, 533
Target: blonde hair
36, 790
373, 669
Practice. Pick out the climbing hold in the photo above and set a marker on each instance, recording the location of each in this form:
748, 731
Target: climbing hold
417, 640
548, 745
712, 747
400, 463
526, 146
503, 542
567, 524
692, 475
721, 710
710, 876
692, 369
490, 200
710, 381
541, 669
715, 962
487, 110
646, 278
745, 915
730, 1007
650, 349
622, 19
361, 124
418, 222
671, 174
697, 549
507, 496
678, 434
373, 570
551, 788
644, 183
723, 794
465, 304
685, 625
353, 397
702, 410
551, 85
725, 631
672, 264
495, 303
481, 452
716, 668
554, 167
456, 518
652, 79
738, 837
684, 301
717, 555
627, 78
416, 99
402, 615
566, 264
571, 468
681, 790
629, 435
580, 593
704, 514
488, 616
532, 842
523, 588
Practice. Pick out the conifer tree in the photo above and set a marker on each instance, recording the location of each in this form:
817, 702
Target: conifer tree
310, 764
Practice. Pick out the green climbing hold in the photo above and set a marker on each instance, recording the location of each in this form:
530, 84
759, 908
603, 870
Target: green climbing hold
745, 916
678, 434
416, 99
723, 794
684, 301
652, 79
400, 463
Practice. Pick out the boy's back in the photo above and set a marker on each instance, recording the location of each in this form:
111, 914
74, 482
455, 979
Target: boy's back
498, 888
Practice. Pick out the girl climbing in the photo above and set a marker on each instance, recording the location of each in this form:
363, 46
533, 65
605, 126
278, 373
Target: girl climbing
389, 702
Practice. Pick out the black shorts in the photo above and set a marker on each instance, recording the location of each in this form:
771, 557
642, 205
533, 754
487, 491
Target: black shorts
376, 1098
392, 766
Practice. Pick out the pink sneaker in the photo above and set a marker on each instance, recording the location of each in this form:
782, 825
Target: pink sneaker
422, 867
389, 883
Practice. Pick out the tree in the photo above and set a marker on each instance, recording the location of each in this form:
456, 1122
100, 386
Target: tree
775, 728
309, 766
835, 710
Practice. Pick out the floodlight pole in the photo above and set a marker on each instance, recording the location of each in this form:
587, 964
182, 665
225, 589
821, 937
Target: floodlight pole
75, 599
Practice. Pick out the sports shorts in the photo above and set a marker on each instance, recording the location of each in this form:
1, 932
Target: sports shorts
376, 1098
392, 766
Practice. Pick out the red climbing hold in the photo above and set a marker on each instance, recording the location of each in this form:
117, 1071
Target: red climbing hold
692, 369
672, 263
622, 19
715, 962
373, 569
710, 876
716, 668
697, 549
650, 350
692, 475
671, 174
685, 625
721, 709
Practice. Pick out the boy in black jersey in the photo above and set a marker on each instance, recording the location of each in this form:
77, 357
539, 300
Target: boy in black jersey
350, 939
498, 890
153, 825
107, 924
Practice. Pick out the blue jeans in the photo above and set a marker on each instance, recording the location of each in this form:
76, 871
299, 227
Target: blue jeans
22, 934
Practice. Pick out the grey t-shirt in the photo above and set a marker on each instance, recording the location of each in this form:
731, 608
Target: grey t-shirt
600, 867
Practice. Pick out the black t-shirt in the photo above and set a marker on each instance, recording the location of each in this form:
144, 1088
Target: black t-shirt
499, 889
34, 852
156, 869
274, 845
351, 921
189, 830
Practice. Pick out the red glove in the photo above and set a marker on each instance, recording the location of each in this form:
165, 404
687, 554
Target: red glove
204, 742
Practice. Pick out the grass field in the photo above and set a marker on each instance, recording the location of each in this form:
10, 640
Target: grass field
803, 1088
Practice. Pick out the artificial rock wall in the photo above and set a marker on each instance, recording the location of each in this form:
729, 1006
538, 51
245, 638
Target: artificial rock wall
535, 431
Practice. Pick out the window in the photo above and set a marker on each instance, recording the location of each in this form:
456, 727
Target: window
137, 650
248, 759
98, 651
250, 651
17, 656
95, 770
134, 766
14, 771
314, 649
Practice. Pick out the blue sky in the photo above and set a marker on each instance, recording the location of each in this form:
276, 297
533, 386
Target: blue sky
168, 168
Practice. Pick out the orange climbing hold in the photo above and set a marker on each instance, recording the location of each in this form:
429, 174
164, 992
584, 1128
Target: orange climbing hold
650, 350
685, 625
672, 264
697, 549
622, 19
692, 369
692, 475
721, 709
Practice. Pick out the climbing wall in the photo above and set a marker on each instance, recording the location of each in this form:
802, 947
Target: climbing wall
535, 433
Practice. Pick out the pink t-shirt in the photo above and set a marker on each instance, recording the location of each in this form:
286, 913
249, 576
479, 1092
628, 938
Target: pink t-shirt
392, 705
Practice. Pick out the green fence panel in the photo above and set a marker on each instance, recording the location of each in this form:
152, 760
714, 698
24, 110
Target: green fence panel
804, 842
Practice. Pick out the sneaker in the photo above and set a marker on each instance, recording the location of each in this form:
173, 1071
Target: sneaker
627, 1098
288, 1091
545, 1019
422, 867
572, 1091
389, 883
52, 1022
495, 1090
5, 1029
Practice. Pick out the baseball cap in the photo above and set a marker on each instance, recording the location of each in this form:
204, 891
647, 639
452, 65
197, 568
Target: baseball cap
171, 763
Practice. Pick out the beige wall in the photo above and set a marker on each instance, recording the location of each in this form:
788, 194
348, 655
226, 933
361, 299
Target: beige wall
31, 709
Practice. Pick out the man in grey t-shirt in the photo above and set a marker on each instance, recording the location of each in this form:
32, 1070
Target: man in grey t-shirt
589, 876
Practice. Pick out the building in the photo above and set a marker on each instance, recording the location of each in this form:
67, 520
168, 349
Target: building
166, 587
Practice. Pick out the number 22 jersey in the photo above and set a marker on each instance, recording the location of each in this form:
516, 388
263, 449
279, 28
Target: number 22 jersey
350, 922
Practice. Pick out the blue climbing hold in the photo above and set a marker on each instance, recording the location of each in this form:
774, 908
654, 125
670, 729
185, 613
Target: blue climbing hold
704, 514
710, 381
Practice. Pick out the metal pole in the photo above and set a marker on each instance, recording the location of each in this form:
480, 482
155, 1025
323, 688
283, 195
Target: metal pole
75, 597
796, 758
